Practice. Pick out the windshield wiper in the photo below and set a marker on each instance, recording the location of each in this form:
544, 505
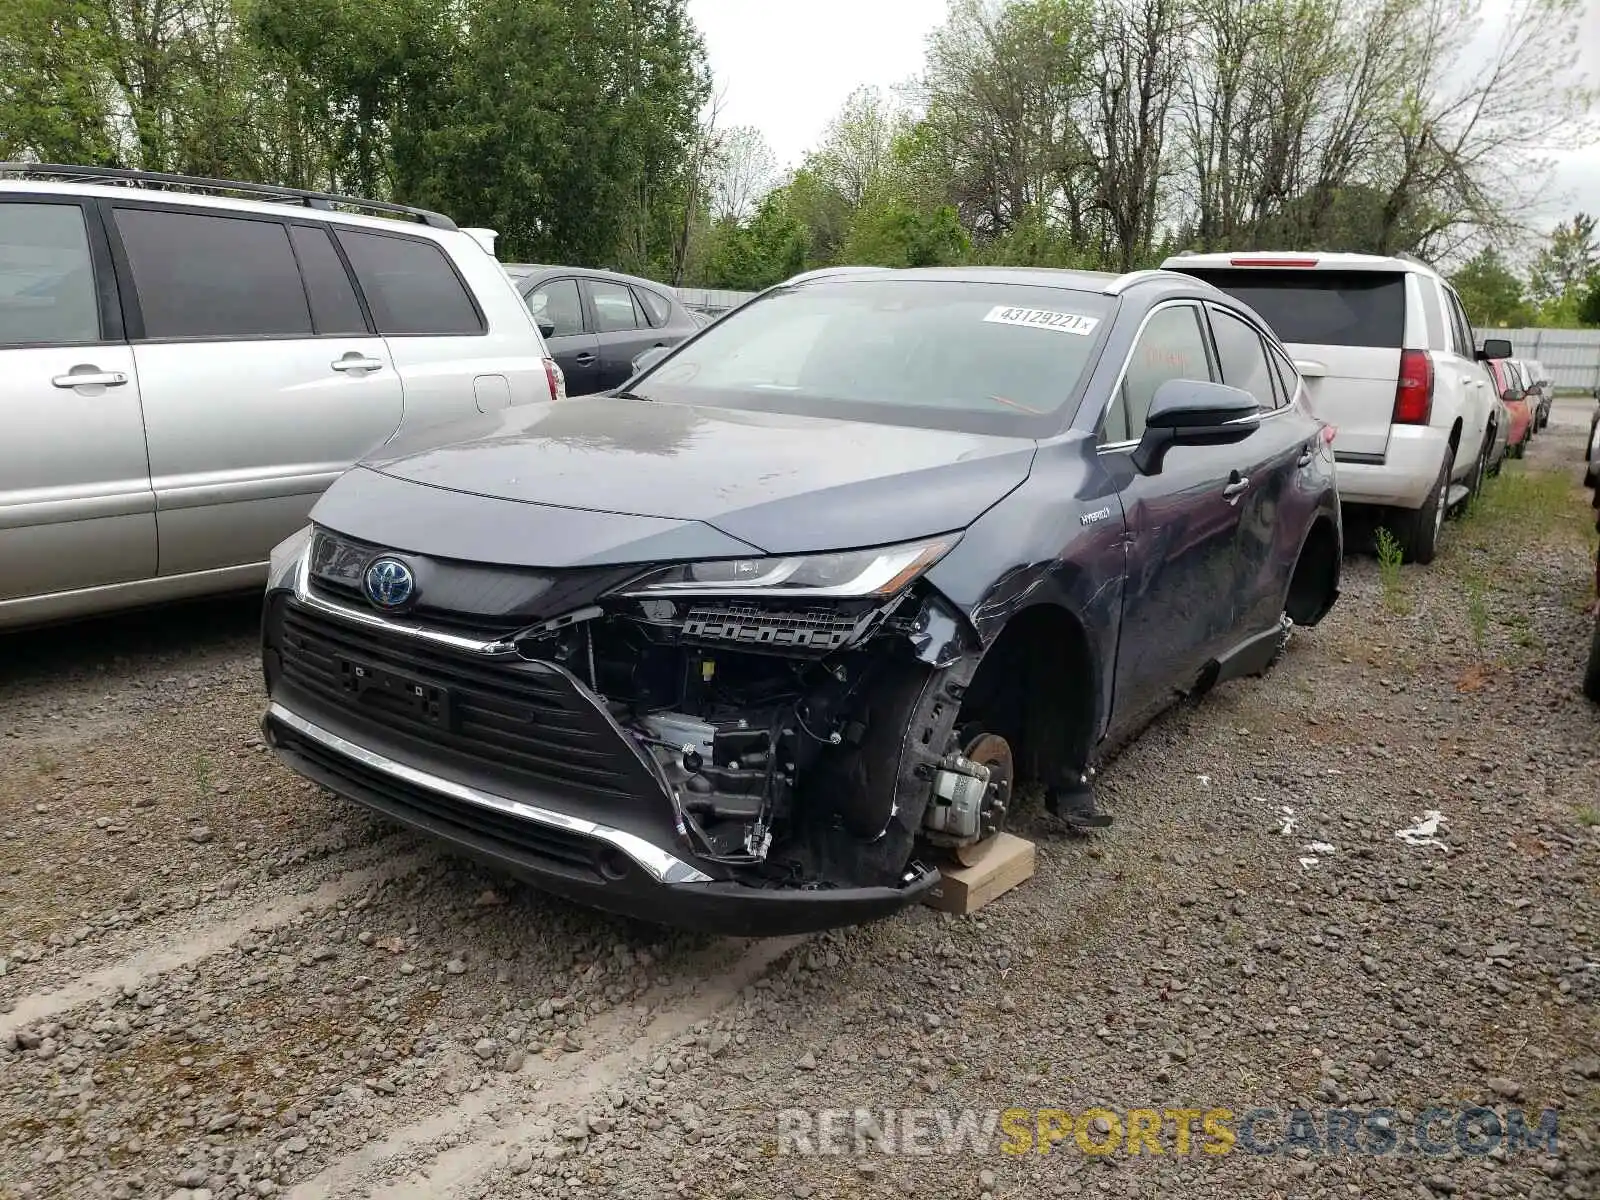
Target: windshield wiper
624, 395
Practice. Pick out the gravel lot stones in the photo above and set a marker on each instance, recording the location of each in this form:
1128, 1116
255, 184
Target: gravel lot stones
308, 1003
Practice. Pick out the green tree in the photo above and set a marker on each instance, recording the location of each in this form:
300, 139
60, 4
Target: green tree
1589, 308
897, 234
1491, 291
767, 249
566, 126
55, 104
1567, 260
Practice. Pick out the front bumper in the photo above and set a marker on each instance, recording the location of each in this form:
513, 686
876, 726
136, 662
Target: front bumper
616, 850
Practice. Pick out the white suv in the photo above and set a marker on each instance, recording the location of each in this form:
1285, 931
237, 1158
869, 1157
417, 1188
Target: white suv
185, 365
1389, 359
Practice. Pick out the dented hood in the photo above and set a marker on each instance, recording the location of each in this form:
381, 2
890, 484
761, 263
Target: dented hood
773, 482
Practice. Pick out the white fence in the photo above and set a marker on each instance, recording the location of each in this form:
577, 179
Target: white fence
711, 300
1571, 356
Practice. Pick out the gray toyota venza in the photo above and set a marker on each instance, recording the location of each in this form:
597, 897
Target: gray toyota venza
755, 643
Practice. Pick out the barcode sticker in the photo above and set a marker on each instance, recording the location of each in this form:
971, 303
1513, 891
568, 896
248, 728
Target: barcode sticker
1043, 318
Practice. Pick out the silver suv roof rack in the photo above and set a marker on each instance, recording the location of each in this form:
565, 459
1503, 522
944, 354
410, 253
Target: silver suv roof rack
326, 201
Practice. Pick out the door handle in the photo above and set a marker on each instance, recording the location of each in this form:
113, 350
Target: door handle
1306, 456
90, 378
357, 362
584, 359
1239, 485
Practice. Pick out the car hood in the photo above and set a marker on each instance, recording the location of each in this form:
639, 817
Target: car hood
779, 483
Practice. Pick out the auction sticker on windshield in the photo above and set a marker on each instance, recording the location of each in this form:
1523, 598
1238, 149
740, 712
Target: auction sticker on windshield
1043, 318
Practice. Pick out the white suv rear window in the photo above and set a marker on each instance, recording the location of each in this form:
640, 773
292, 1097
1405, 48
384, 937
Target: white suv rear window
1321, 308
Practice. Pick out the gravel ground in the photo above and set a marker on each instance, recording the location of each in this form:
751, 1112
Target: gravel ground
219, 982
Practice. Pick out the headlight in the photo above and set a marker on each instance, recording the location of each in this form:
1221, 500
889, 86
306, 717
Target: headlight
879, 572
285, 557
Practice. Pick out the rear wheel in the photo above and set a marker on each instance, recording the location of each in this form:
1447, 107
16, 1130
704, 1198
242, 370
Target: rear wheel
1418, 530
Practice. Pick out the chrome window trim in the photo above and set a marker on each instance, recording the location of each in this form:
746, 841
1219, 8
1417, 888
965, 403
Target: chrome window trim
663, 867
1127, 360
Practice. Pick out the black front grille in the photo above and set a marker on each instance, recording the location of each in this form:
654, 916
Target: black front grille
504, 716
445, 816
477, 598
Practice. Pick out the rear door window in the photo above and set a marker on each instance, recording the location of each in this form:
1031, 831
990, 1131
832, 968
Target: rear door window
334, 307
200, 276
47, 295
410, 286
1243, 357
558, 303
614, 309
1320, 308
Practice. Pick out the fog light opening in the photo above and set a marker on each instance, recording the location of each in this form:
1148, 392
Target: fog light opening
614, 864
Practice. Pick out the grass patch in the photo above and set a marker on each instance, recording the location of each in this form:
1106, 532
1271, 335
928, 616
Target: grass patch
1526, 504
1389, 559
1477, 609
1589, 815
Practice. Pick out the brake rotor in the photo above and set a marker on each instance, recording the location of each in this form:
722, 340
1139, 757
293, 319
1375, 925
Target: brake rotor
994, 752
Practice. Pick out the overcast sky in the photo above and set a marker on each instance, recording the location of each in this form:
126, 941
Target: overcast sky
786, 69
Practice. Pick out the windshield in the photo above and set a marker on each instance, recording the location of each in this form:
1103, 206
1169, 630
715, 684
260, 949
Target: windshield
1321, 308
980, 357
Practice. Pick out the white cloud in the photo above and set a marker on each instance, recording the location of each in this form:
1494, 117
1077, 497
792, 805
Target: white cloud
786, 68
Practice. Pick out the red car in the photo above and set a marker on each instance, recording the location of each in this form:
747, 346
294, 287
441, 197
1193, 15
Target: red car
1518, 405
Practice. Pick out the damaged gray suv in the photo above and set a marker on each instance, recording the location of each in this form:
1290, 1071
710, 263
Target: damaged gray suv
755, 642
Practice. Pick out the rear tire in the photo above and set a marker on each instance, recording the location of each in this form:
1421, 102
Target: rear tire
1418, 530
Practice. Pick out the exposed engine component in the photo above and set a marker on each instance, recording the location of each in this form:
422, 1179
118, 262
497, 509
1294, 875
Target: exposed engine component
819, 629
773, 726
960, 787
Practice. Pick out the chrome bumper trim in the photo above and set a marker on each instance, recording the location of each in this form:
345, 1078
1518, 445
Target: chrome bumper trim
662, 866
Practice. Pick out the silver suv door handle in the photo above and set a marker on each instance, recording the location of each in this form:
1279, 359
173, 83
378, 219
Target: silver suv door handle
77, 379
357, 362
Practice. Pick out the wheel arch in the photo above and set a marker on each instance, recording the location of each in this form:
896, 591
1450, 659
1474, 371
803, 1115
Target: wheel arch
1039, 686
1314, 583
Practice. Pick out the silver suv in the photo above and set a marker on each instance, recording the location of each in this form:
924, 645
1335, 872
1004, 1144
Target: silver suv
185, 365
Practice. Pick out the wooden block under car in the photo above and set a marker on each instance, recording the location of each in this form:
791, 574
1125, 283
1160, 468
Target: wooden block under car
961, 890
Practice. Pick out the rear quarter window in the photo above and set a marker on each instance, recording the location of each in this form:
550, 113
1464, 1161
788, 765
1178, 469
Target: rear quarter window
410, 286
1321, 308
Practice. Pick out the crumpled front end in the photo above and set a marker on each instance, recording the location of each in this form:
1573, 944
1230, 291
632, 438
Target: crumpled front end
743, 764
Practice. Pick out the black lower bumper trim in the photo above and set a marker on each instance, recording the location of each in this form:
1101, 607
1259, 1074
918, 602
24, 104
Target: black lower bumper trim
586, 870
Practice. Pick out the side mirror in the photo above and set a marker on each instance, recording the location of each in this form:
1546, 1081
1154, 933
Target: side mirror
1511, 395
1191, 412
547, 328
1495, 348
650, 358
